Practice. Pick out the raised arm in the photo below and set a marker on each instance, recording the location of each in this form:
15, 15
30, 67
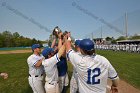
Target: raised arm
68, 44
61, 50
54, 42
60, 40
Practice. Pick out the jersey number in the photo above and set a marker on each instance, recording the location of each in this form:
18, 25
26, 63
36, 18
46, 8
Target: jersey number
95, 73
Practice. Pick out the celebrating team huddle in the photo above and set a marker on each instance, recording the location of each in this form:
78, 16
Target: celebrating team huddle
90, 70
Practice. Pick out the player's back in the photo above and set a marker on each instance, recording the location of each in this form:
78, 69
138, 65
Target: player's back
92, 74
51, 69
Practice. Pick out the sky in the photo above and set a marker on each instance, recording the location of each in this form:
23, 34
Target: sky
37, 18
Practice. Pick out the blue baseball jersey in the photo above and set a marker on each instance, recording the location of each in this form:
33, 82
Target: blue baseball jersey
62, 66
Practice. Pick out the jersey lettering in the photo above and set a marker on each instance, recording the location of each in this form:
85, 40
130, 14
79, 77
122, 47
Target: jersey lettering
92, 79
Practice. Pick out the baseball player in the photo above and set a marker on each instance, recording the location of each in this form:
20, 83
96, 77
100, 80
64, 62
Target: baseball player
51, 84
4, 75
74, 78
62, 65
92, 70
36, 70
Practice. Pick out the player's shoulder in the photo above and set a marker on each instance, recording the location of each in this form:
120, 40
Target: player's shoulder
30, 57
33, 56
78, 53
101, 58
73, 53
51, 61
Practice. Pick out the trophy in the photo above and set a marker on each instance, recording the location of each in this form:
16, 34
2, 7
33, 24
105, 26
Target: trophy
56, 31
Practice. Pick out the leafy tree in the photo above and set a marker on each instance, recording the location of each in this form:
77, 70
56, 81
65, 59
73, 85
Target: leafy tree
34, 41
7, 38
16, 35
1, 40
108, 39
135, 37
121, 38
28, 42
113, 42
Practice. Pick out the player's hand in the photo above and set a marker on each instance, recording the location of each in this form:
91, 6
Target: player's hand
4, 75
43, 58
60, 35
114, 89
65, 38
69, 34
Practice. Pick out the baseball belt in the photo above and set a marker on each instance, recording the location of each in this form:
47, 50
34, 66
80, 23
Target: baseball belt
35, 75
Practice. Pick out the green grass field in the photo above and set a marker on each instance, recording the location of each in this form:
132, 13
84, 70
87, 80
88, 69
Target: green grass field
126, 64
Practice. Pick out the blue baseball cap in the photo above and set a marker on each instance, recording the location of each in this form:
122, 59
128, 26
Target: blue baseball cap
34, 46
77, 42
87, 44
47, 51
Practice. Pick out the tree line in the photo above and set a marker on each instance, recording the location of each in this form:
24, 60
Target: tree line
8, 39
114, 41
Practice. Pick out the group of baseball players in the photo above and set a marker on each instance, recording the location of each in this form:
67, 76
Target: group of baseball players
90, 70
134, 48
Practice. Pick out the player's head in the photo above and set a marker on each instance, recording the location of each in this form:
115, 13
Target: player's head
77, 42
36, 48
65, 34
87, 46
48, 52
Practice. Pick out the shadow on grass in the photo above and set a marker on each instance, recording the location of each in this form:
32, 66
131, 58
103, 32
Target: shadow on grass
28, 90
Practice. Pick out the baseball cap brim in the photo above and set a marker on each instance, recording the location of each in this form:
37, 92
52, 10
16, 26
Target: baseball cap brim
47, 51
36, 46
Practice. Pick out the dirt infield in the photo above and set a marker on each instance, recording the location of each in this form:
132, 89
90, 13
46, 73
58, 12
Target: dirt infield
15, 51
127, 88
124, 87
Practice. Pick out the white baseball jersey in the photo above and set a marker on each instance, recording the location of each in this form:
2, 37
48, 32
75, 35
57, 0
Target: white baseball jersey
35, 74
92, 71
51, 68
32, 60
